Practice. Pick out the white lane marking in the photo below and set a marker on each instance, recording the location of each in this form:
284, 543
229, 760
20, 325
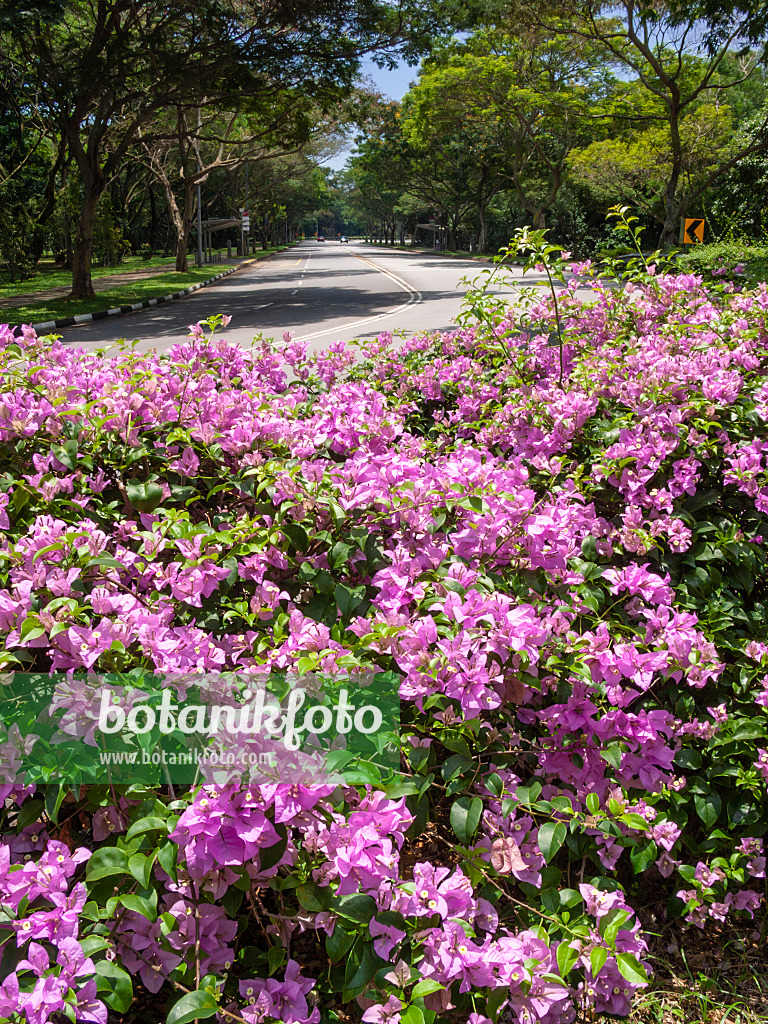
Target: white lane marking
301, 279
414, 299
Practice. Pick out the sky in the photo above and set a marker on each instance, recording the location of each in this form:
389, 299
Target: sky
393, 84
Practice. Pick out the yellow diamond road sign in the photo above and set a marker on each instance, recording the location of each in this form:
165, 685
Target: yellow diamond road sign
694, 230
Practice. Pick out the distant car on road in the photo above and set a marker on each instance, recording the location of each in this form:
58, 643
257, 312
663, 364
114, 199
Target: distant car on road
343, 238
321, 238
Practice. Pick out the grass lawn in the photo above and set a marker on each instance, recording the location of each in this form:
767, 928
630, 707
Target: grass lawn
51, 276
121, 295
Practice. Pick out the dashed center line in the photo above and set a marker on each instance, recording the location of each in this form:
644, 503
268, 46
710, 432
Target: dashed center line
414, 296
301, 279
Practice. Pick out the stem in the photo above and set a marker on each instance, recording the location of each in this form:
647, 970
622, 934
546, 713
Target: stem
557, 319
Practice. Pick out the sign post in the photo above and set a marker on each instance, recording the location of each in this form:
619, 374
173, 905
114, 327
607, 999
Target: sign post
692, 232
245, 227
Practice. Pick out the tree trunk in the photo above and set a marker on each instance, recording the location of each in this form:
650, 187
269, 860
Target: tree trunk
153, 218
181, 239
82, 285
672, 214
483, 229
671, 204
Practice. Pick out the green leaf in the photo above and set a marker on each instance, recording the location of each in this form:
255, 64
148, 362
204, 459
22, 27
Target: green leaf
635, 821
359, 908
140, 866
149, 824
566, 958
139, 906
114, 985
193, 1006
426, 987
611, 924
270, 855
593, 803
631, 969
31, 628
105, 862
348, 598
66, 454
597, 959
495, 999
494, 784
412, 1015
93, 944
465, 817
30, 811
167, 858
54, 797
612, 755
144, 495
643, 856
551, 838
708, 807
313, 897
455, 765
339, 554
297, 536
361, 967
338, 944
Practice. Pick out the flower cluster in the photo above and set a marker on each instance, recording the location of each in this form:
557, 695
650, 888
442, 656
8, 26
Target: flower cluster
569, 585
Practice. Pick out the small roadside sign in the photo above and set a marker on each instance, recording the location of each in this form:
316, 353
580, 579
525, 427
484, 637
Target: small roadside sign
246, 223
693, 230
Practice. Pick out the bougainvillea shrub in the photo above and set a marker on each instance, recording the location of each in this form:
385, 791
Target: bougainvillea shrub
569, 584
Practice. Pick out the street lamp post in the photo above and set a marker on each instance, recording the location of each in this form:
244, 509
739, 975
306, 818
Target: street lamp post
199, 201
247, 236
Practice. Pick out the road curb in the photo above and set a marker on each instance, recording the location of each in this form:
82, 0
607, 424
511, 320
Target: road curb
102, 314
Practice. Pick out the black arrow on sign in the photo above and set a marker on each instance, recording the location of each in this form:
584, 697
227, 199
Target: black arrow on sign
690, 231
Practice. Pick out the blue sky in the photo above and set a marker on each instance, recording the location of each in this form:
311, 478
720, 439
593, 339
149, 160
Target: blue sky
393, 84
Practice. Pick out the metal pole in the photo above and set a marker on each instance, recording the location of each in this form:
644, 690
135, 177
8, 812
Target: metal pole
246, 238
199, 202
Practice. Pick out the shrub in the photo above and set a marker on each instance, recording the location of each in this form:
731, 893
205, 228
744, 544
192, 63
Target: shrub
739, 259
569, 583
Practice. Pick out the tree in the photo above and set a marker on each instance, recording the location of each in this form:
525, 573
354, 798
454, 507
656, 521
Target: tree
182, 151
381, 168
680, 69
107, 69
25, 163
519, 101
636, 168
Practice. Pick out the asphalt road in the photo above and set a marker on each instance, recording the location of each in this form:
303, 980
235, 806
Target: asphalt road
319, 291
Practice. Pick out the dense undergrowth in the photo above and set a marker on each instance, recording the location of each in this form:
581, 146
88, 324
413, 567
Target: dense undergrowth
569, 582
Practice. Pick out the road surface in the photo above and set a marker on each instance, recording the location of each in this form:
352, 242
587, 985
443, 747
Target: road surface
319, 291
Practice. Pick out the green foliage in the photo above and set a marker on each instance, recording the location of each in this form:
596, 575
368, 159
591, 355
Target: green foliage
720, 260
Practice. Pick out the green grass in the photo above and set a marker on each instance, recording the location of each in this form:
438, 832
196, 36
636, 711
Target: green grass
49, 276
123, 295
